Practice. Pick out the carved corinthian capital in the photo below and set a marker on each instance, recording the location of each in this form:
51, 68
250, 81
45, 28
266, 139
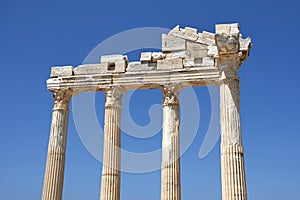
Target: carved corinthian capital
171, 94
114, 96
62, 99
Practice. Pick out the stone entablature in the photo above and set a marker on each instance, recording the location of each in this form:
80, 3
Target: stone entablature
187, 56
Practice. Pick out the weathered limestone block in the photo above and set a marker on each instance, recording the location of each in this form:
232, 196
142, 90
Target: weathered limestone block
57, 71
198, 62
245, 44
115, 63
138, 66
208, 61
228, 29
113, 58
197, 50
187, 33
146, 57
234, 29
171, 43
152, 56
212, 50
227, 44
100, 68
91, 69
227, 38
168, 64
206, 38
191, 33
157, 56
190, 62
177, 32
117, 66
223, 28
179, 54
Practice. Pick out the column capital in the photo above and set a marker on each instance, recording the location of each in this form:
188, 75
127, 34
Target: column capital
171, 93
228, 65
114, 95
62, 99
232, 50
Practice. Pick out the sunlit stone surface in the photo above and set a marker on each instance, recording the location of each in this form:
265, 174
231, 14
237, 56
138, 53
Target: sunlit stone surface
188, 58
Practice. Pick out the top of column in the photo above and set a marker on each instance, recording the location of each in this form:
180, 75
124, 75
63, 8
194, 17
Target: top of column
62, 99
233, 50
114, 96
171, 93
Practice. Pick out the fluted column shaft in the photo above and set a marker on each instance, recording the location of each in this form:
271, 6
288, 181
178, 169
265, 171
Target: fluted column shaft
232, 152
110, 184
170, 172
54, 173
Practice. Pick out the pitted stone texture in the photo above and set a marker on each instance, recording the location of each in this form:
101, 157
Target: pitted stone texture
59, 71
227, 44
208, 61
101, 68
206, 38
245, 44
179, 54
196, 50
191, 33
152, 56
138, 66
188, 33
91, 69
169, 64
228, 29
158, 56
113, 58
212, 51
146, 57
171, 43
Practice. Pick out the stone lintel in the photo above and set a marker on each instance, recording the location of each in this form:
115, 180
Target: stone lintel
113, 58
193, 76
58, 71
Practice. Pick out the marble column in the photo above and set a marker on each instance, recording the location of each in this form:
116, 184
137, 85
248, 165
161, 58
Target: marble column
232, 152
110, 184
170, 172
54, 173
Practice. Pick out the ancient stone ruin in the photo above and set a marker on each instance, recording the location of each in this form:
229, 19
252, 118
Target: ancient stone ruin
188, 58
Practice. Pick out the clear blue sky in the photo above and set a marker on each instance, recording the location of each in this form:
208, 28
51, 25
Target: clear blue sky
34, 35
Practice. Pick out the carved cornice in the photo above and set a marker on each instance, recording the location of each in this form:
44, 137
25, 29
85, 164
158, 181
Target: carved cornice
62, 99
171, 94
114, 96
